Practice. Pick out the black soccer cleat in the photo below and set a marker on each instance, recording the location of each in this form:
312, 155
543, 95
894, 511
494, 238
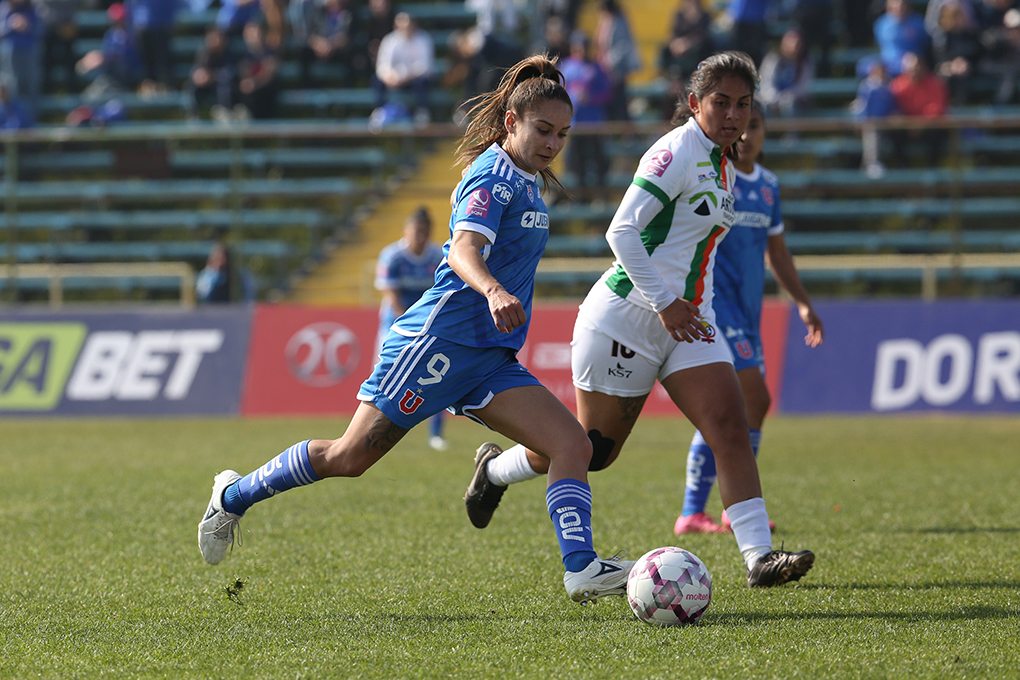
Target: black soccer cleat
779, 567
482, 497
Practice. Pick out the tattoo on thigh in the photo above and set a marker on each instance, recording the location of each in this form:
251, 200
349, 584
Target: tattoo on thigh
383, 434
630, 407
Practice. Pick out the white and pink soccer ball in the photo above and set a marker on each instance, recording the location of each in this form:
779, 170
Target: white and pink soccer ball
669, 587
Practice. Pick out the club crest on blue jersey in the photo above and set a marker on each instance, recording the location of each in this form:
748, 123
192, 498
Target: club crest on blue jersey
410, 402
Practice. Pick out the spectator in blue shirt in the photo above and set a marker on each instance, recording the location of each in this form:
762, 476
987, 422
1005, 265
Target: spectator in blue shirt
749, 32
874, 100
115, 66
152, 24
21, 32
589, 88
898, 32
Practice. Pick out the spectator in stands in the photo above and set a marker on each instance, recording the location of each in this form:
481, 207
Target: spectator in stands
616, 51
786, 76
405, 62
115, 66
898, 32
21, 49
956, 49
556, 38
379, 24
14, 113
258, 73
590, 89
477, 62
152, 24
234, 15
496, 17
747, 28
212, 286
1002, 59
813, 18
689, 42
874, 100
213, 79
61, 30
333, 33
922, 94
933, 15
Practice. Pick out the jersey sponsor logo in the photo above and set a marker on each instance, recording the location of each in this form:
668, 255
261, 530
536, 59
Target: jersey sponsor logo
478, 203
141, 366
706, 176
322, 354
728, 212
502, 193
752, 219
35, 360
410, 402
533, 219
658, 163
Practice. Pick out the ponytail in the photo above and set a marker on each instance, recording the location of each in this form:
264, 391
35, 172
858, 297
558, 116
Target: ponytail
531, 81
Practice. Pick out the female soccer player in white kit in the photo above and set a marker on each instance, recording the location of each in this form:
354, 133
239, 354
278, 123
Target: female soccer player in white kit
650, 318
456, 347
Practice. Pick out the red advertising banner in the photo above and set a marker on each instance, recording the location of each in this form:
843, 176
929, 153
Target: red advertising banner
311, 360
308, 360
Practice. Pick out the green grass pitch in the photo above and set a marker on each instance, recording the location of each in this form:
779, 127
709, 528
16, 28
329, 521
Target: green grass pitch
914, 522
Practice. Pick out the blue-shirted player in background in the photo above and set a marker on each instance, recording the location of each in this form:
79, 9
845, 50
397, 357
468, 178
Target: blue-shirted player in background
457, 346
404, 271
739, 287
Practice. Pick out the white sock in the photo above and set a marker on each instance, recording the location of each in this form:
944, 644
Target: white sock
751, 529
510, 467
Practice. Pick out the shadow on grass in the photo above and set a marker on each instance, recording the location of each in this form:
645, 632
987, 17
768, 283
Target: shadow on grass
932, 585
965, 614
964, 530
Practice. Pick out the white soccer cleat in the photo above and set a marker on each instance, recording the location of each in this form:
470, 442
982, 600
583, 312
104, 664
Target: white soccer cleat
216, 531
600, 578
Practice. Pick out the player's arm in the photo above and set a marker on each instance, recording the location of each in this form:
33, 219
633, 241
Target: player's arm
781, 262
392, 299
639, 206
466, 261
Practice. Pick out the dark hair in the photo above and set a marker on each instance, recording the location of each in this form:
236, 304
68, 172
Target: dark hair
531, 81
421, 216
709, 74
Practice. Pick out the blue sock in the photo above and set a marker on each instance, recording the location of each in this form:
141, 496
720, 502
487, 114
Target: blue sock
436, 425
569, 503
288, 470
755, 441
700, 476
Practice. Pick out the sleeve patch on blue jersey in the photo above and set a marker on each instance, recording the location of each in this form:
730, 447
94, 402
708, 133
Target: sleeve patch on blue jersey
502, 192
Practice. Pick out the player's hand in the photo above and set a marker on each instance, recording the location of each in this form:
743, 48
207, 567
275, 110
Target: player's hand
507, 311
816, 334
682, 321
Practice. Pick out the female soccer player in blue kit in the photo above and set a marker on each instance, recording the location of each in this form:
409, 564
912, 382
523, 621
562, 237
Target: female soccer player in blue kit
739, 286
650, 318
456, 347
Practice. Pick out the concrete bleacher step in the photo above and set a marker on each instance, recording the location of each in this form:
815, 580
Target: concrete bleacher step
345, 278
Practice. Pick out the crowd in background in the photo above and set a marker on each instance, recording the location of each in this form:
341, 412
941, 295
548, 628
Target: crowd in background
957, 52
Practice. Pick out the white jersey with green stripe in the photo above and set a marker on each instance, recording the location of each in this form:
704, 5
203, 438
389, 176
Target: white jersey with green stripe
667, 229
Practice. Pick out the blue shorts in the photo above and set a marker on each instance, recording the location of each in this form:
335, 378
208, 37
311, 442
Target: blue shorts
745, 344
417, 377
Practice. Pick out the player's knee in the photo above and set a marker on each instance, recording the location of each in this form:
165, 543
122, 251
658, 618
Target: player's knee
601, 449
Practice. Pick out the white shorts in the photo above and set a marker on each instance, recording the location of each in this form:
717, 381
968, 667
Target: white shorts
622, 349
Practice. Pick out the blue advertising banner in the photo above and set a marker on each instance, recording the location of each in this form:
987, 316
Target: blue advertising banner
890, 357
158, 362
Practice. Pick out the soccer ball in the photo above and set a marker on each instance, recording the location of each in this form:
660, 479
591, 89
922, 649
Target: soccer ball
669, 587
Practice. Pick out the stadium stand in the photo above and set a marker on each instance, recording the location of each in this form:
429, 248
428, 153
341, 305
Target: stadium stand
315, 191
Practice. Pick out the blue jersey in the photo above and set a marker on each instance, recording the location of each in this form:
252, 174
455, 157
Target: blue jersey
740, 263
410, 275
499, 200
